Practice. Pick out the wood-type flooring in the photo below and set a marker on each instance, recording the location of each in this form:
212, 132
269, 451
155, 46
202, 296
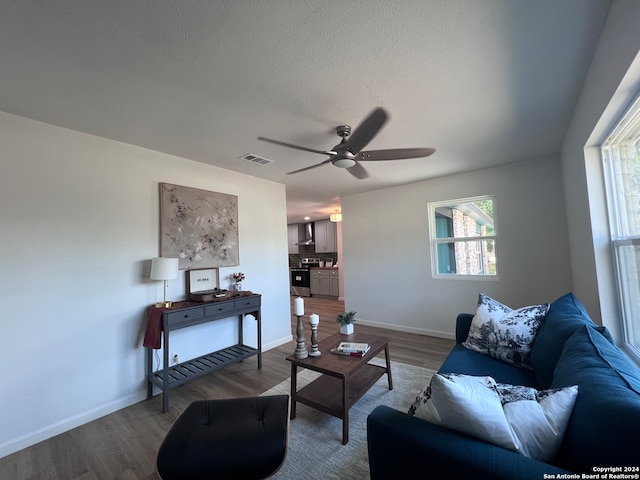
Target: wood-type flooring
123, 444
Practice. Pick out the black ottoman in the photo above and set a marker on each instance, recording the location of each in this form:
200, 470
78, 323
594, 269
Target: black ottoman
229, 438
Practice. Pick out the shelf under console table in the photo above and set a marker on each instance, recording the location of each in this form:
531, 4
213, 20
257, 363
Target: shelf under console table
162, 321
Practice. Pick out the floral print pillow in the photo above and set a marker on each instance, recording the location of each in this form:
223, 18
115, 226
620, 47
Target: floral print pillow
504, 333
519, 418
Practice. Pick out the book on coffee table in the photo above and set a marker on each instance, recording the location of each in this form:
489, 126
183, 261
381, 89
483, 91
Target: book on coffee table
353, 349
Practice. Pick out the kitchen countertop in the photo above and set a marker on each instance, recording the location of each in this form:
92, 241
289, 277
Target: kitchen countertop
314, 268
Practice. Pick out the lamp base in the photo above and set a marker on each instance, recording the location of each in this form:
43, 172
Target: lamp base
166, 304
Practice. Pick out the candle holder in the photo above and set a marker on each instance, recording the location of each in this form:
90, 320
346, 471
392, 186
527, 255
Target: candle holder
314, 338
301, 349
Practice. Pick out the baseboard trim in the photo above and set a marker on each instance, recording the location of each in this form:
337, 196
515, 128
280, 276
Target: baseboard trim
403, 328
42, 434
17, 444
276, 343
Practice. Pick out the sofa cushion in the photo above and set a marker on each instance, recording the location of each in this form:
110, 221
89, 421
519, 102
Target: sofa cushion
463, 360
504, 333
463, 324
514, 417
565, 316
603, 429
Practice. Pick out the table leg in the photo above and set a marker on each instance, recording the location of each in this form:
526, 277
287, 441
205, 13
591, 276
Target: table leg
259, 320
345, 412
165, 367
149, 373
165, 400
388, 360
294, 371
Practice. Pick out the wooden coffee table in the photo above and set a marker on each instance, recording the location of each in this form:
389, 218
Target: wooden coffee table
344, 378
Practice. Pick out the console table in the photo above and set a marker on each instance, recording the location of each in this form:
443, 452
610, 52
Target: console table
187, 314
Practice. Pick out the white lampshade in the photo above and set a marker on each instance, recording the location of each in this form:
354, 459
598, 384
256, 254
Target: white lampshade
335, 217
164, 268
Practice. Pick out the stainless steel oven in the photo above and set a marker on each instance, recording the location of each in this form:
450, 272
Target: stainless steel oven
301, 277
300, 282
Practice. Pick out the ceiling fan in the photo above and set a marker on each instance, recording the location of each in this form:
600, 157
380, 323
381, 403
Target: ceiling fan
347, 154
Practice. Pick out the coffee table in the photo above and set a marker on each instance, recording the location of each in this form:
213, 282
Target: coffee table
344, 378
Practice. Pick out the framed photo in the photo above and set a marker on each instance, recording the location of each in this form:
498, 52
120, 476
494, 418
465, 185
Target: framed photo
198, 227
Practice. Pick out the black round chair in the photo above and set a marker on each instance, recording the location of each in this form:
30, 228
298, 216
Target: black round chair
240, 438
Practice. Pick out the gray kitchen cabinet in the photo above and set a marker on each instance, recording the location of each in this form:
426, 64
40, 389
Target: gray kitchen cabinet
326, 236
324, 282
334, 289
293, 237
318, 284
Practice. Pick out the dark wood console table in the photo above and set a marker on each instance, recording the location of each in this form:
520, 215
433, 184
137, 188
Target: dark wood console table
187, 314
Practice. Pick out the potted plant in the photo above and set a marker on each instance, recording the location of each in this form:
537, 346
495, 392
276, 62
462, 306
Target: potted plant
346, 321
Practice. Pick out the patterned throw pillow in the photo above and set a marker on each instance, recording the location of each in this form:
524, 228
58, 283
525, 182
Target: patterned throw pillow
503, 333
518, 418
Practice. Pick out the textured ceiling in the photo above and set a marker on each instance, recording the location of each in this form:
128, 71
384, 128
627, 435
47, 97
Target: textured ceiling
485, 82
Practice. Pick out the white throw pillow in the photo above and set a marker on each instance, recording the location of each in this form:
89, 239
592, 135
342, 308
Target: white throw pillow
504, 333
518, 418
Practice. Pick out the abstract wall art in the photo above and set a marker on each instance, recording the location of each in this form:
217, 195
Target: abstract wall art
198, 227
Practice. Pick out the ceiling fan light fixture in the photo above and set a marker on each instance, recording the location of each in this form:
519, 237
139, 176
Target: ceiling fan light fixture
344, 163
344, 160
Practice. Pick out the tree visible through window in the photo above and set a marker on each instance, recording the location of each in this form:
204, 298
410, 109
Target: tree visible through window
463, 237
621, 157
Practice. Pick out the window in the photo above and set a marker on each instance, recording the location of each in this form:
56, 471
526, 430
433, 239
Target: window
621, 157
463, 237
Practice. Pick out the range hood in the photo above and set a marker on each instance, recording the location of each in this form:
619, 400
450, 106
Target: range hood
308, 235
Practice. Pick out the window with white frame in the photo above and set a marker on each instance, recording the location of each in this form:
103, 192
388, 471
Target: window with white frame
463, 238
621, 158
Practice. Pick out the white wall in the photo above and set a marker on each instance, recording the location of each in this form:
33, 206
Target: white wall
603, 98
79, 220
387, 261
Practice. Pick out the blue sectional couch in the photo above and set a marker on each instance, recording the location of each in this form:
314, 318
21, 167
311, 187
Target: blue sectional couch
569, 349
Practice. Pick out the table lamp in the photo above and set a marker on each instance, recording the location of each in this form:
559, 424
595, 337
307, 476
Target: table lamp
164, 269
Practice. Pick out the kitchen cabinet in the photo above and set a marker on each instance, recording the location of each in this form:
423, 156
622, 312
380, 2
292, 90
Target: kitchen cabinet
326, 236
293, 237
319, 282
324, 282
334, 289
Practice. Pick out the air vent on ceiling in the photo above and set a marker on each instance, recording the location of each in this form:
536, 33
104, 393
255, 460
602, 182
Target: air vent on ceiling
250, 157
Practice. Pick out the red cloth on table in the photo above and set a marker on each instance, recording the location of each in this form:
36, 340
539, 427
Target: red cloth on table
153, 332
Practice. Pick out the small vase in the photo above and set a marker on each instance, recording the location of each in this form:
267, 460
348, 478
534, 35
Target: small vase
237, 287
346, 329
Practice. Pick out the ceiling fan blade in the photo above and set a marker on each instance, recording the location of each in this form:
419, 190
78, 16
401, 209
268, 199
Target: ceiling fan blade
297, 147
358, 171
394, 154
309, 168
366, 130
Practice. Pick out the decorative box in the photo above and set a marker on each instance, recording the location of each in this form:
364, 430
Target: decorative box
203, 283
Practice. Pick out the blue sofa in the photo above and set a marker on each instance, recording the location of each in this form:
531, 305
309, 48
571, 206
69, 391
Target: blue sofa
569, 349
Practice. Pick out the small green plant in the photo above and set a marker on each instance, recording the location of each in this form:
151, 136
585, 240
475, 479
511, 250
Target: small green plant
346, 318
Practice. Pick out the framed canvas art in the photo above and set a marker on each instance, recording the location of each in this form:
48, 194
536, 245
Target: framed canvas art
198, 227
